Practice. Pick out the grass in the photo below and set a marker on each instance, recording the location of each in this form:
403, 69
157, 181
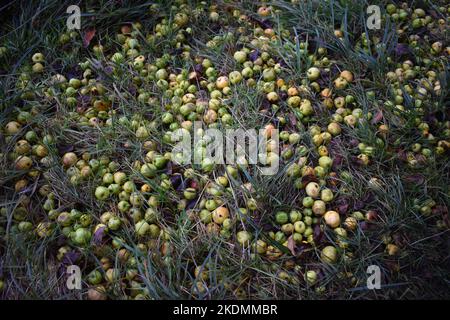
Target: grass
29, 265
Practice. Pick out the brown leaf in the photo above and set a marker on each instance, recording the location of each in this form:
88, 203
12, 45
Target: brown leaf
356, 161
446, 220
292, 119
358, 205
398, 239
194, 184
364, 225
98, 235
176, 181
64, 148
434, 14
333, 180
368, 197
88, 35
421, 158
402, 155
291, 245
371, 215
170, 168
378, 117
71, 257
342, 205
303, 248
309, 178
191, 204
353, 143
440, 210
318, 234
415, 179
392, 265
338, 160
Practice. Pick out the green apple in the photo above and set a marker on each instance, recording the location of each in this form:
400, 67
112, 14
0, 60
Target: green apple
101, 193
114, 223
123, 206
281, 217
299, 226
244, 237
326, 195
308, 202
148, 170
311, 277
235, 77
312, 189
142, 228
81, 236
240, 56
313, 73
129, 187
94, 277
190, 193
247, 72
329, 254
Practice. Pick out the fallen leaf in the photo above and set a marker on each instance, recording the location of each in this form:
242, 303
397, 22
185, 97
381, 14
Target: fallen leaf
318, 234
440, 210
416, 179
198, 68
357, 161
303, 248
338, 160
402, 50
402, 155
64, 148
364, 225
358, 205
88, 35
291, 245
70, 257
446, 220
371, 215
193, 184
421, 159
368, 197
176, 180
378, 117
342, 206
191, 204
253, 55
292, 119
353, 143
98, 235
309, 178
